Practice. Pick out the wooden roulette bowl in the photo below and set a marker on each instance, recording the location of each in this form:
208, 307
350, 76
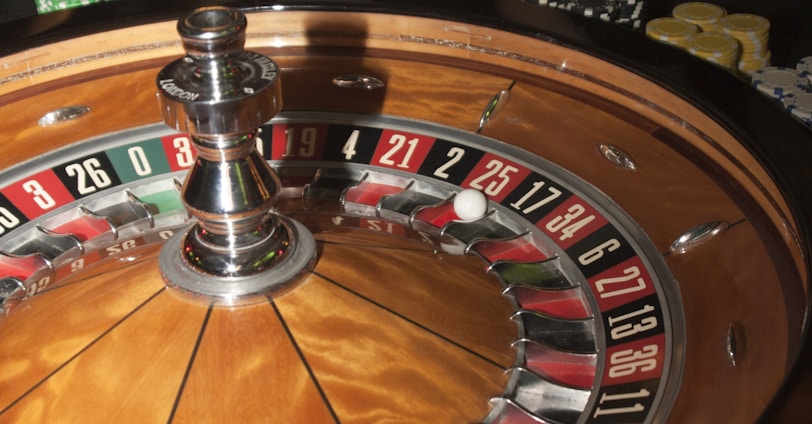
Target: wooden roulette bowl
644, 257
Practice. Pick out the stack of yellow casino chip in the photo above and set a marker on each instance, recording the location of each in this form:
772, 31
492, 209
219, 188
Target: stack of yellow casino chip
715, 47
704, 15
753, 34
671, 30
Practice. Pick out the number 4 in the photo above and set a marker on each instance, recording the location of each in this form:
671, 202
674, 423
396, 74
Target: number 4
349, 146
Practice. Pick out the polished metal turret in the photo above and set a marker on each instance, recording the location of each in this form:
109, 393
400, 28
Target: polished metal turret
239, 249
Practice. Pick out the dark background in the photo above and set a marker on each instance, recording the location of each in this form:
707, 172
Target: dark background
790, 32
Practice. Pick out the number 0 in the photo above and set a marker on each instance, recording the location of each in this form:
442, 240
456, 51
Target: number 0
139, 161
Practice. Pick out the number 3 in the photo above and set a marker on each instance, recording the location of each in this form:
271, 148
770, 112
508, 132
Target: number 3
41, 197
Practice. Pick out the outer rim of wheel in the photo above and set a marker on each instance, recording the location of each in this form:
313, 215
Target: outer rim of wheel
772, 155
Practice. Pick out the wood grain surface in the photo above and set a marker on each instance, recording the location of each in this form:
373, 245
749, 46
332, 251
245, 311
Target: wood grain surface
120, 347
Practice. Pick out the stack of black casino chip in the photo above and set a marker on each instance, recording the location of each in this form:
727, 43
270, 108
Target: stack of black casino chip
557, 4
623, 12
630, 13
605, 10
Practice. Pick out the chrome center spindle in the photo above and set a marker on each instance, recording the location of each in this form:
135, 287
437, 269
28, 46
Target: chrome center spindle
239, 249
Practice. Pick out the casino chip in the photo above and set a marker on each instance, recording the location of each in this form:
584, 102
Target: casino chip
746, 25
748, 66
705, 15
622, 12
753, 33
603, 9
630, 13
804, 66
671, 30
46, 6
557, 4
715, 47
778, 81
799, 104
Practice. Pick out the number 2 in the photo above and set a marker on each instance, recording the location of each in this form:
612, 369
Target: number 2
455, 153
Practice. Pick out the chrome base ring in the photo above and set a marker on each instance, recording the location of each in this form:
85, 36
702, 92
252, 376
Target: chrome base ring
198, 285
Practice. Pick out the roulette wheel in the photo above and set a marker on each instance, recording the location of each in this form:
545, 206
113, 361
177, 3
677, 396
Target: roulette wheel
489, 212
